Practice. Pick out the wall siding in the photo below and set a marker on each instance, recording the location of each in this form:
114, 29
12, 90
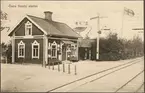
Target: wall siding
28, 51
20, 29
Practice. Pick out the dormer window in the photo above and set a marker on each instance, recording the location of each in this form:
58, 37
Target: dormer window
28, 28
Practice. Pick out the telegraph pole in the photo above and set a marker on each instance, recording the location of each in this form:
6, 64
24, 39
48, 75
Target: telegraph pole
98, 35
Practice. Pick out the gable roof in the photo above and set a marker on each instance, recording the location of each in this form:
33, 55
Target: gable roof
52, 27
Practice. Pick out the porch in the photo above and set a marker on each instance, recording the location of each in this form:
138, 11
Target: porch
58, 50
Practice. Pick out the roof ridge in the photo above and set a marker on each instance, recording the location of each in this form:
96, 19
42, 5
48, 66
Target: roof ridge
52, 22
45, 19
48, 21
34, 16
41, 19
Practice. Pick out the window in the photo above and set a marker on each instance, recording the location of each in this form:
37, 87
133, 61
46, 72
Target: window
21, 49
35, 49
73, 50
28, 28
54, 50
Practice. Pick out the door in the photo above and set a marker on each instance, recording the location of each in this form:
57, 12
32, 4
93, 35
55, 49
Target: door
87, 53
63, 53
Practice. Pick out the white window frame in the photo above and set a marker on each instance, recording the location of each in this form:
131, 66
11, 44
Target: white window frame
27, 31
74, 49
54, 44
19, 44
35, 43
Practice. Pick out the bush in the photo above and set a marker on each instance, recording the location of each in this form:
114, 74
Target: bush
6, 52
9, 53
112, 48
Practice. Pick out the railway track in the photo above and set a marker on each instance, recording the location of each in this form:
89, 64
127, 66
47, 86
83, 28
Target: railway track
92, 77
130, 81
139, 87
101, 76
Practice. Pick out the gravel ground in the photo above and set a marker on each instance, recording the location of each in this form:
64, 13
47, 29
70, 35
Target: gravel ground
35, 78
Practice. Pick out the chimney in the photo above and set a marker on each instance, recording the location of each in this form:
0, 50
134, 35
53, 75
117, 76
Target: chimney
48, 15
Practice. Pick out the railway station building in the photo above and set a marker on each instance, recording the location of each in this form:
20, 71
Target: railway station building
43, 40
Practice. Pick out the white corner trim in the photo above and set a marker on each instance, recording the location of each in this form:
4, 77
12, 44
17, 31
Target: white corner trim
21, 43
37, 44
46, 50
13, 49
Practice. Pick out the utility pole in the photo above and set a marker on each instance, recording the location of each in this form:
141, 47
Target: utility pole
99, 32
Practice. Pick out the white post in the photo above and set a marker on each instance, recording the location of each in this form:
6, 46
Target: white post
99, 32
77, 50
46, 49
66, 56
60, 56
89, 54
97, 55
13, 49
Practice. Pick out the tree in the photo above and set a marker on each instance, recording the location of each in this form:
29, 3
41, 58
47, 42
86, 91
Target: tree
137, 45
4, 17
6, 51
110, 47
9, 53
3, 48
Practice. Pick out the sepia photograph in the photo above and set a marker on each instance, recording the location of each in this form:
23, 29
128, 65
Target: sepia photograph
72, 46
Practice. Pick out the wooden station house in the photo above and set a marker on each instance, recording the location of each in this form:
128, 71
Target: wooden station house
42, 40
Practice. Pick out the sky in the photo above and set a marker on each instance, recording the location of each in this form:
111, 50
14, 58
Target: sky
71, 11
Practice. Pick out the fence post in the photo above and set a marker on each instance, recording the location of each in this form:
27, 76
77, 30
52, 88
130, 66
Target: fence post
6, 60
75, 70
45, 64
53, 66
63, 67
23, 61
69, 68
58, 67
49, 65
